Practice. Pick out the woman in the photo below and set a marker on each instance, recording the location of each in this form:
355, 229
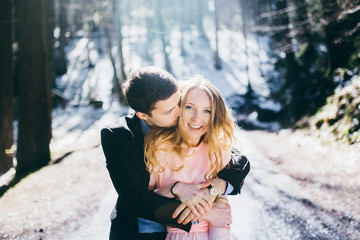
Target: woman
191, 154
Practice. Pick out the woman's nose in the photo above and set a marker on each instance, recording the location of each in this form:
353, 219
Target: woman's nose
195, 116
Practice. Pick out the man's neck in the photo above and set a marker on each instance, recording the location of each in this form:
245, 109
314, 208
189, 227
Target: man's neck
148, 124
144, 126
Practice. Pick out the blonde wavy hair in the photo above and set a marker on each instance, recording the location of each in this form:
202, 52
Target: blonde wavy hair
220, 135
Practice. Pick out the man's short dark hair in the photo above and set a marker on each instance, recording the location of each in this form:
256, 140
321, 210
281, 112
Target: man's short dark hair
146, 86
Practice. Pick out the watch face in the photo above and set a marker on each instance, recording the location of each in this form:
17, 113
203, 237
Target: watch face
214, 192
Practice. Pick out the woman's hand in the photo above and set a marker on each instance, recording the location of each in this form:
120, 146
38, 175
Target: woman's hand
220, 214
192, 195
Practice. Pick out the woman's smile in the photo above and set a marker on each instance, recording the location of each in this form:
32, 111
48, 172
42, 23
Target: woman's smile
194, 127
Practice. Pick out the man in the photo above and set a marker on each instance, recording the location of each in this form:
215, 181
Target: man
153, 94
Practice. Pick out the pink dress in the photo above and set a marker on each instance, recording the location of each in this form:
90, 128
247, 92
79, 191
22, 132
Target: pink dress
193, 172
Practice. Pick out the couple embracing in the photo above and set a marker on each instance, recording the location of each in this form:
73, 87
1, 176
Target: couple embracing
172, 163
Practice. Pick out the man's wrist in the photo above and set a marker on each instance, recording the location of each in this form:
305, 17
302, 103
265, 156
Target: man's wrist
226, 186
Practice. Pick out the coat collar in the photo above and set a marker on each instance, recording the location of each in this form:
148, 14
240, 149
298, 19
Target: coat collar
133, 124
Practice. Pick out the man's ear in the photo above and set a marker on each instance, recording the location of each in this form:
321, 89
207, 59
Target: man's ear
141, 115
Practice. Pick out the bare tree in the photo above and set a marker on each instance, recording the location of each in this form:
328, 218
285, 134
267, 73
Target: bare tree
181, 20
107, 27
118, 21
336, 26
244, 13
162, 35
61, 64
6, 84
217, 57
35, 37
200, 5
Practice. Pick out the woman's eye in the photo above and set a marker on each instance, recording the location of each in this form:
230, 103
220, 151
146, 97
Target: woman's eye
188, 107
207, 111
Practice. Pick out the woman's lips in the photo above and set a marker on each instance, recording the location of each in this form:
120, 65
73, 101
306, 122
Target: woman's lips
195, 127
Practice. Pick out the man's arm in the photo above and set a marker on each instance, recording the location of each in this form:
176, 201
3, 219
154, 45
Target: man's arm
235, 173
231, 176
130, 178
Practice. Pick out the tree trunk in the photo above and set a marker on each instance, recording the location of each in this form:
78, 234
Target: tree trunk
118, 17
258, 22
339, 50
217, 57
149, 23
244, 10
35, 21
61, 64
6, 84
162, 35
283, 37
200, 6
304, 35
303, 23
116, 82
181, 20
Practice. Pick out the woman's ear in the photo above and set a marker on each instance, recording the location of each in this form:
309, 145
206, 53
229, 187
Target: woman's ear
141, 115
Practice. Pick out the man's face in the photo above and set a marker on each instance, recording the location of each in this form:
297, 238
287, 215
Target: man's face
166, 112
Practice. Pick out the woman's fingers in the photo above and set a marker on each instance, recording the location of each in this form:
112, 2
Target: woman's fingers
200, 208
206, 206
194, 208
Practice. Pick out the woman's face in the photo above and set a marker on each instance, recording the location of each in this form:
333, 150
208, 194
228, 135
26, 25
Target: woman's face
196, 115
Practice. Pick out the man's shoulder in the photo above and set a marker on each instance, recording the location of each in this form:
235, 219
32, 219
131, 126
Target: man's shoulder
122, 125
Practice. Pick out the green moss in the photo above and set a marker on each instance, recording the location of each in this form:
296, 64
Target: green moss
340, 117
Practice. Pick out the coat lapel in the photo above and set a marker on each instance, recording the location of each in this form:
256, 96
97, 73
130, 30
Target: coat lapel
134, 125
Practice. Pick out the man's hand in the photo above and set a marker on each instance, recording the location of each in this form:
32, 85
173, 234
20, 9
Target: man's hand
220, 214
186, 215
195, 196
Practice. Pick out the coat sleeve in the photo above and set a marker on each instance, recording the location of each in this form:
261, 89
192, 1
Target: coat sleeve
131, 180
235, 173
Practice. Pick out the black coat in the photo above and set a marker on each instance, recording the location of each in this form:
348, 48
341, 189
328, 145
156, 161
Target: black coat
123, 148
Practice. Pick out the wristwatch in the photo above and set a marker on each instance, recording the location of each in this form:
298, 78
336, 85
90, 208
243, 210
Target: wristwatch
214, 191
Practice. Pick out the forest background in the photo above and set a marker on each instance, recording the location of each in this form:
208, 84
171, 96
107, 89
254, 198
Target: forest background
307, 61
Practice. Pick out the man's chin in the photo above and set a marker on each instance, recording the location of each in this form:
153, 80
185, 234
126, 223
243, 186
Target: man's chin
171, 125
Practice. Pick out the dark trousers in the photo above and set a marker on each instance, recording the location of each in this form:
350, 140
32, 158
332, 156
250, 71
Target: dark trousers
118, 234
152, 236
